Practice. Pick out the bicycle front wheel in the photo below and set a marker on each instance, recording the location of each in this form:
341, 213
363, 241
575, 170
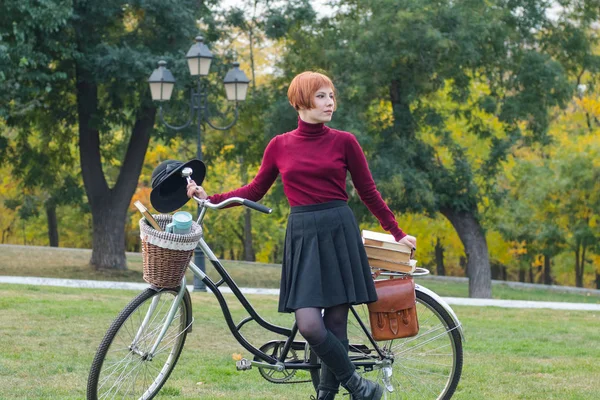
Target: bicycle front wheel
427, 366
123, 367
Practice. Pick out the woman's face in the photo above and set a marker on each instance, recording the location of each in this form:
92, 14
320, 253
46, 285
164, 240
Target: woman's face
323, 110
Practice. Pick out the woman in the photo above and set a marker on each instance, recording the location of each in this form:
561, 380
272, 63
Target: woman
325, 266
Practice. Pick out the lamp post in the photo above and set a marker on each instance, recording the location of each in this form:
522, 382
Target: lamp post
162, 82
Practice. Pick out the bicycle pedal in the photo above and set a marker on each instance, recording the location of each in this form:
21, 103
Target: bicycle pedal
243, 365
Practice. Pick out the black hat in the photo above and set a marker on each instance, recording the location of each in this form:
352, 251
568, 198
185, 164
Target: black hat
169, 188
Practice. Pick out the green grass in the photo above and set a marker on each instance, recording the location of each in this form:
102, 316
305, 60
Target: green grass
73, 264
48, 337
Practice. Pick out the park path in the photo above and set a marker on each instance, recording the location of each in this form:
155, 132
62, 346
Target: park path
460, 301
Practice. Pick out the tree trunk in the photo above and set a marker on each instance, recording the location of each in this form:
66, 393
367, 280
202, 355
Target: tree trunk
249, 254
275, 256
531, 280
498, 270
403, 119
108, 205
52, 223
6, 232
439, 258
472, 236
108, 240
462, 261
579, 265
522, 275
597, 280
547, 274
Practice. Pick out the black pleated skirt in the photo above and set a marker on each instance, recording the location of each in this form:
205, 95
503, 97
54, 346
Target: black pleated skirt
324, 262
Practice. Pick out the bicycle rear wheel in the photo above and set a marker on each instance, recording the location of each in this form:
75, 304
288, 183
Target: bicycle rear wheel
123, 367
427, 366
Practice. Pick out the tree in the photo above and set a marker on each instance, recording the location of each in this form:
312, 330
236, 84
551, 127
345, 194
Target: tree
46, 167
551, 205
529, 211
103, 53
422, 49
579, 200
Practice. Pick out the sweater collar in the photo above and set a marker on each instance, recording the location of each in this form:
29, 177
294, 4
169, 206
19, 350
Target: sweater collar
311, 130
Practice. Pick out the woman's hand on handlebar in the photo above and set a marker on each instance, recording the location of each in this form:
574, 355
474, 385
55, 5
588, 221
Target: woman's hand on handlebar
195, 190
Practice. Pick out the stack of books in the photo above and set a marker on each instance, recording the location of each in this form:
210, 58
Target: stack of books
385, 253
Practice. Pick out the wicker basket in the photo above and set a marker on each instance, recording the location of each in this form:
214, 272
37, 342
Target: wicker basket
166, 255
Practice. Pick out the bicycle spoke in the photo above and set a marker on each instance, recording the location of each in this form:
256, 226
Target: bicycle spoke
167, 344
149, 336
122, 380
412, 378
117, 381
421, 344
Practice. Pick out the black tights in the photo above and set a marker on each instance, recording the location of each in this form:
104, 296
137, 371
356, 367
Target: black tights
314, 326
327, 336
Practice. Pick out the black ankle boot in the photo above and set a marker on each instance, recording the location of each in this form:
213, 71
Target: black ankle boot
325, 395
363, 389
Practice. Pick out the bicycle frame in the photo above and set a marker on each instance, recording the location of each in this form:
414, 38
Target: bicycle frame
169, 319
254, 315
269, 361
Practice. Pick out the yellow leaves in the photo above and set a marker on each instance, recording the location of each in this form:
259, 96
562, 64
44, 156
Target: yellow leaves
8, 190
265, 52
517, 248
381, 113
158, 152
236, 356
596, 262
462, 132
443, 154
132, 18
264, 254
499, 249
142, 194
227, 148
589, 105
539, 261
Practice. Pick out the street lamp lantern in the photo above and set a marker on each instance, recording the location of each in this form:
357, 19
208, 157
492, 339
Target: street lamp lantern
199, 58
236, 83
161, 82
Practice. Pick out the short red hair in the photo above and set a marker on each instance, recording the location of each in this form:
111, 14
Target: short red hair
304, 86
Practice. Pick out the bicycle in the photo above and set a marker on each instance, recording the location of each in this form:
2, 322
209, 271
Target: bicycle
143, 344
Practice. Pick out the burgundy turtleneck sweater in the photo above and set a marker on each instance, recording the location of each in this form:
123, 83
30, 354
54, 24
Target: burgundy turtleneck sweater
313, 160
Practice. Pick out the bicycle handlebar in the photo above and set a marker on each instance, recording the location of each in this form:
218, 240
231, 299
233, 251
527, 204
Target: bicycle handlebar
256, 206
248, 203
232, 200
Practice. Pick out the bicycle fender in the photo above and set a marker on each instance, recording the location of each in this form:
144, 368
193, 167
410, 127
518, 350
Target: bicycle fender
190, 315
445, 306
